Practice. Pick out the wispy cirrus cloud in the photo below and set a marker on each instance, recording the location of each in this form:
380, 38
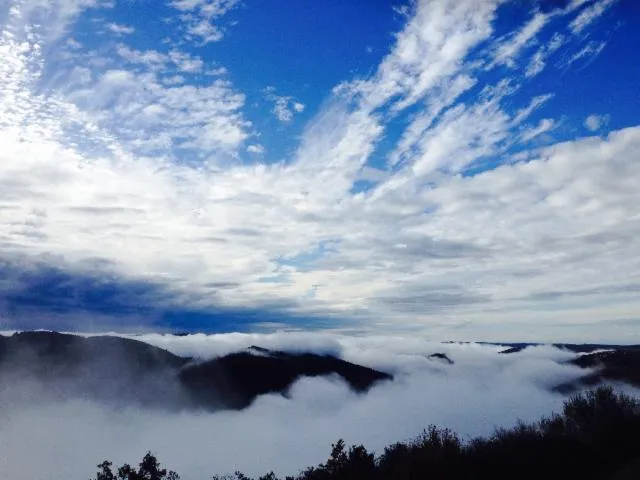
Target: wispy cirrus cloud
511, 46
537, 62
589, 14
588, 52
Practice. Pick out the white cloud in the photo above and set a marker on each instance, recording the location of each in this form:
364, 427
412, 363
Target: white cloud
120, 29
284, 107
185, 62
407, 146
281, 110
538, 60
266, 436
574, 4
136, 163
174, 80
589, 14
536, 102
590, 51
204, 30
217, 71
545, 125
430, 48
372, 174
255, 148
153, 108
595, 122
536, 64
212, 8
149, 58
51, 17
511, 47
199, 18
73, 44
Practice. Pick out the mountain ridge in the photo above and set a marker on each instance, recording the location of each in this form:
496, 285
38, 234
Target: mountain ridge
130, 371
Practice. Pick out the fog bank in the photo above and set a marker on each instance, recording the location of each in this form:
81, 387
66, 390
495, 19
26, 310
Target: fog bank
482, 389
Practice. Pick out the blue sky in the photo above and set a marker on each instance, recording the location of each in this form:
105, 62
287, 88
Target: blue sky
461, 169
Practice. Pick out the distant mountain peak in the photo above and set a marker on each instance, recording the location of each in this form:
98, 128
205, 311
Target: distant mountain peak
442, 356
256, 350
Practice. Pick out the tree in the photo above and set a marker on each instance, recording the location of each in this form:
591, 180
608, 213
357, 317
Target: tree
105, 472
594, 437
148, 469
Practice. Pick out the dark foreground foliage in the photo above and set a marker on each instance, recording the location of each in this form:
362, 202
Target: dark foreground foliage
597, 436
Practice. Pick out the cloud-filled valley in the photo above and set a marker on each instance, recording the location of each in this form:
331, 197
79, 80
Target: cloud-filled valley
305, 221
482, 389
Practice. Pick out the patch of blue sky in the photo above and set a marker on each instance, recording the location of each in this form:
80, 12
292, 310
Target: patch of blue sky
305, 50
304, 261
361, 186
151, 23
247, 320
272, 44
56, 292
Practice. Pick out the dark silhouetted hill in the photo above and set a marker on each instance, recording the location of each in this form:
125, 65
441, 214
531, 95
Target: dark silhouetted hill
125, 371
572, 347
441, 356
119, 371
617, 365
239, 378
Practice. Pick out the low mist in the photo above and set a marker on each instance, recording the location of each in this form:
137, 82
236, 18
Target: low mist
43, 435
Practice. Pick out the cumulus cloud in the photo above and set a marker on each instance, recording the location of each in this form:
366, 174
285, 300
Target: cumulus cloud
120, 29
255, 148
201, 18
481, 390
124, 105
284, 107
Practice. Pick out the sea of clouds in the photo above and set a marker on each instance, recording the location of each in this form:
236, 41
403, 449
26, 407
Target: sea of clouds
481, 390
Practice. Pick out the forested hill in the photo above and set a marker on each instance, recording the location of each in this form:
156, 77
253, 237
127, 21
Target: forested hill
125, 371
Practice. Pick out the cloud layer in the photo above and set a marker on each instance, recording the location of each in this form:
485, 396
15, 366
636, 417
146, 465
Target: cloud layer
481, 390
127, 163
